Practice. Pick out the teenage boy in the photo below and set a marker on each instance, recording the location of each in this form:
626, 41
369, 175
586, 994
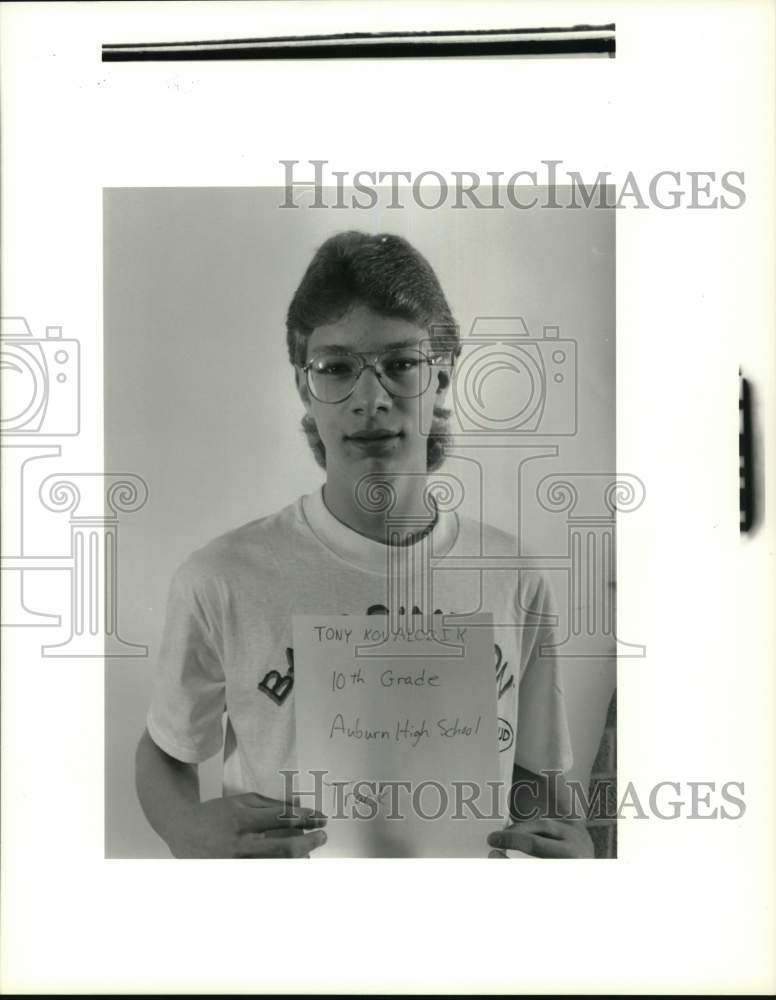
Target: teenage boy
373, 344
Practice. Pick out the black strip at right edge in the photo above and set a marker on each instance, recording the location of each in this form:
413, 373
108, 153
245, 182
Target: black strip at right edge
747, 491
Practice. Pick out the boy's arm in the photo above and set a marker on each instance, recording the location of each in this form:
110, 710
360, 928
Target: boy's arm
541, 806
544, 821
239, 826
165, 786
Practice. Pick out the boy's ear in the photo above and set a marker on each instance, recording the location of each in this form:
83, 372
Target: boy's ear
444, 375
301, 387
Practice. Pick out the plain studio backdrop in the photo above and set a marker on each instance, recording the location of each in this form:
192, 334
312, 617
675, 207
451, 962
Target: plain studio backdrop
200, 399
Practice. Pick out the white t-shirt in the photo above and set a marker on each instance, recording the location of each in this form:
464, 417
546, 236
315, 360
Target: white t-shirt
227, 644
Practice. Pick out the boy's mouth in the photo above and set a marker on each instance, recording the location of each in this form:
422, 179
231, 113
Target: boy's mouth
373, 435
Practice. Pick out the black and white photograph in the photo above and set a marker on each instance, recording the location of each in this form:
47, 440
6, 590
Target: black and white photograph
392, 426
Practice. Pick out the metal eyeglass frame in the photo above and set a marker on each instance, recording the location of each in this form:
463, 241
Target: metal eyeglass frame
430, 360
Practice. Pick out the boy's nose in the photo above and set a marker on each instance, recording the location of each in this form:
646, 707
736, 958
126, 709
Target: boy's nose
370, 395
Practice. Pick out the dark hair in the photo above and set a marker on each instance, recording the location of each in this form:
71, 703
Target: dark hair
387, 274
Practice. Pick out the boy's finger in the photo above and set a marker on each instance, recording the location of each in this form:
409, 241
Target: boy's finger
544, 827
537, 847
310, 822
272, 811
511, 840
257, 801
548, 847
272, 844
300, 847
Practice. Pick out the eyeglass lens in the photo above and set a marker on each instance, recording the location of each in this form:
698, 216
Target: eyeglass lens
403, 372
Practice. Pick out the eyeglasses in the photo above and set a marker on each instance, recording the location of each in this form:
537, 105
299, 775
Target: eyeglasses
402, 371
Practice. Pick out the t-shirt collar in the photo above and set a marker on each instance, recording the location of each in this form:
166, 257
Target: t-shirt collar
367, 552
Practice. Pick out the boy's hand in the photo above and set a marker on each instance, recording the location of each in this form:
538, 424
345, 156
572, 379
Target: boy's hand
544, 838
244, 826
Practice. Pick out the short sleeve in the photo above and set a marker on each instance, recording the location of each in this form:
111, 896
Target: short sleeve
188, 698
543, 742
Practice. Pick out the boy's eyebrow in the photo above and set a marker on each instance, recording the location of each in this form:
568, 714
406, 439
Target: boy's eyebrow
394, 345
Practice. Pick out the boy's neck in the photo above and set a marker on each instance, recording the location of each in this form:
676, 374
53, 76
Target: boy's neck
410, 504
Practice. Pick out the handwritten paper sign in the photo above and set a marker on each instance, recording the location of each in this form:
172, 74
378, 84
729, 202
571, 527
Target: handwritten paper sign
398, 735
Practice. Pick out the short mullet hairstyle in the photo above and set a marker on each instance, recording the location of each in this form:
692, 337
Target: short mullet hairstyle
389, 276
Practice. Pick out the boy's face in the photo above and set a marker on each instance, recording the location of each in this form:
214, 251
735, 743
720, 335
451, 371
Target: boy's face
373, 430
